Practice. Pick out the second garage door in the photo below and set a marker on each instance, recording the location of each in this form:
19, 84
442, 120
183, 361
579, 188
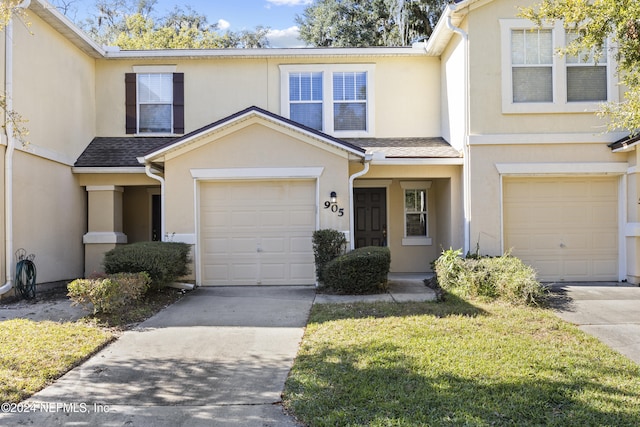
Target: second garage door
566, 228
256, 232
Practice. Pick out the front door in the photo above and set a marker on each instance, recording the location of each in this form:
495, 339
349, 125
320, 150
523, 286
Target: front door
370, 217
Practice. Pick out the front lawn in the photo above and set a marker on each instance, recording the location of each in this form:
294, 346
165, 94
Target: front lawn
456, 363
33, 354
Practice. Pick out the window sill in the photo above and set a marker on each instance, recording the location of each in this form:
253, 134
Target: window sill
550, 107
417, 241
164, 134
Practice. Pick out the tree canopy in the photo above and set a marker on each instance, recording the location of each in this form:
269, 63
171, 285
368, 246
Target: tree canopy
603, 25
135, 25
357, 23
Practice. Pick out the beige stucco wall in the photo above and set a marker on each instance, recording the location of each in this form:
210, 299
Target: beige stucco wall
444, 210
486, 77
49, 216
54, 89
252, 146
453, 92
407, 90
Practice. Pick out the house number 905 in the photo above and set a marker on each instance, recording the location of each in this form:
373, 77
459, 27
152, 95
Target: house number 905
334, 208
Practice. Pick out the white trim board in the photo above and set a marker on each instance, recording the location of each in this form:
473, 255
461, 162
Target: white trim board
257, 173
617, 168
545, 138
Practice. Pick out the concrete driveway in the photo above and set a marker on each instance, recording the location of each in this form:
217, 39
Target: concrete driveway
608, 311
218, 357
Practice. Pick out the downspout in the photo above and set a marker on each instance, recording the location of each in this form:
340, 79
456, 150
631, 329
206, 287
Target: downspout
147, 170
367, 161
466, 173
8, 156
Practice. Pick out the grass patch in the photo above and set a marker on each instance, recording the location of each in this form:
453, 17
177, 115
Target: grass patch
32, 354
455, 363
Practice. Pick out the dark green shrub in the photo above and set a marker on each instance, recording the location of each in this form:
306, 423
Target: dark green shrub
361, 271
504, 277
327, 245
109, 294
163, 261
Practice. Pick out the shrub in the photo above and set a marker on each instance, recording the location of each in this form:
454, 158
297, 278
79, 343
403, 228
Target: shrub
504, 277
328, 244
109, 294
163, 261
361, 271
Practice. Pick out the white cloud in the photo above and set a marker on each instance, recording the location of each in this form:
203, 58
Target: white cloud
290, 2
223, 25
285, 38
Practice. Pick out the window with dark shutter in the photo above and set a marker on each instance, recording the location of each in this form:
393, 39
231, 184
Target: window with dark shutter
154, 103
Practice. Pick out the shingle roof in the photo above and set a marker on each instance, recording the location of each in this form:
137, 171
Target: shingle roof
408, 147
124, 151
119, 151
625, 142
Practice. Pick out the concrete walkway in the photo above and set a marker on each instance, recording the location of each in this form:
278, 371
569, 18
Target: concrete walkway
608, 311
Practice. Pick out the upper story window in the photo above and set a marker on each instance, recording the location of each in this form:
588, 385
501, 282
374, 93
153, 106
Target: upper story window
586, 78
333, 98
305, 99
532, 65
537, 80
154, 101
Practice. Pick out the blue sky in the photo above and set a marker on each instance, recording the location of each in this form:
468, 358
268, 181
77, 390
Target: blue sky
235, 15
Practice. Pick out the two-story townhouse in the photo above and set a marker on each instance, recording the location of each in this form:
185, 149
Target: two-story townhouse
542, 176
481, 136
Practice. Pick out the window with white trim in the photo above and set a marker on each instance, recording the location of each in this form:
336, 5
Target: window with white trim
154, 100
155, 103
416, 212
537, 80
305, 98
333, 98
586, 77
532, 65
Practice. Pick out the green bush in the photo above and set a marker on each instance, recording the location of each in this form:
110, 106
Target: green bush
163, 261
361, 271
504, 277
109, 294
328, 244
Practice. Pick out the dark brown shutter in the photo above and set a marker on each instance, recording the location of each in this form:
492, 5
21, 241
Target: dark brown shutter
131, 122
178, 103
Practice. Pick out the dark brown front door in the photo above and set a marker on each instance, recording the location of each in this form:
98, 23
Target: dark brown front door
370, 217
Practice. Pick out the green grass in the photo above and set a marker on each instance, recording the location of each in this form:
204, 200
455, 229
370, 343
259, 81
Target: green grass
455, 363
32, 354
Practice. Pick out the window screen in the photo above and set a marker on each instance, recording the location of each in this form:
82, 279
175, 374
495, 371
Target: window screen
155, 99
532, 65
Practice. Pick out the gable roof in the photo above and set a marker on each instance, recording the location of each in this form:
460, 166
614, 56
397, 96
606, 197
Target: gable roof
246, 114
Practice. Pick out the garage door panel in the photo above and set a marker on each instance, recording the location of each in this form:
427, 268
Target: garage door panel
565, 227
257, 232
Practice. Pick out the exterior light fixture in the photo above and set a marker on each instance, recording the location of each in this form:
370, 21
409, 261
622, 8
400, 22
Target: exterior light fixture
334, 197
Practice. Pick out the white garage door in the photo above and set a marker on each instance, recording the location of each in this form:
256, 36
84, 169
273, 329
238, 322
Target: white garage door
257, 232
566, 228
